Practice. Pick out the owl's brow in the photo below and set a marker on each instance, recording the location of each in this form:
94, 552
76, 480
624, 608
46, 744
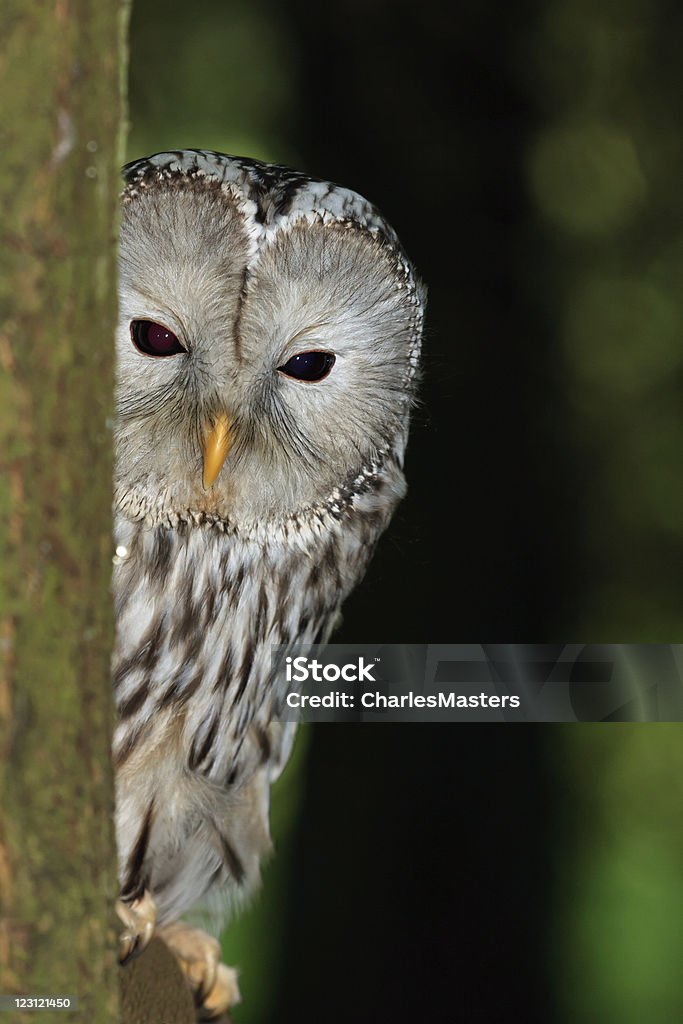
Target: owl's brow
309, 329
155, 305
145, 294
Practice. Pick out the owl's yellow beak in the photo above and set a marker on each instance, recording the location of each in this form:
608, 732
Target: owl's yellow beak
217, 444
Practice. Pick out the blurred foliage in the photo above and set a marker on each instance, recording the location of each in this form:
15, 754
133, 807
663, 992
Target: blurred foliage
604, 172
619, 893
215, 76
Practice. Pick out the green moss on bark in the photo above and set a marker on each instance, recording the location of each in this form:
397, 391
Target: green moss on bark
60, 124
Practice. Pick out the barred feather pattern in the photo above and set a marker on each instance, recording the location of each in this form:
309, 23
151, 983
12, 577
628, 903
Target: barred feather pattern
198, 742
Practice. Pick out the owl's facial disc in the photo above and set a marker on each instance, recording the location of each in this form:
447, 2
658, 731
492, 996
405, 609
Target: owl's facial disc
217, 443
266, 352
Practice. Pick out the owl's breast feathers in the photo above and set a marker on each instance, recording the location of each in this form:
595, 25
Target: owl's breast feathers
196, 746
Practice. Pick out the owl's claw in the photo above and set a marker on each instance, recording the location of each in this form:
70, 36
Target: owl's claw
139, 918
213, 984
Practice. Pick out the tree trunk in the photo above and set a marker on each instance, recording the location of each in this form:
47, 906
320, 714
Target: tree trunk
60, 79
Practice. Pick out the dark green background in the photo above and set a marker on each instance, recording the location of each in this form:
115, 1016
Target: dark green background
529, 155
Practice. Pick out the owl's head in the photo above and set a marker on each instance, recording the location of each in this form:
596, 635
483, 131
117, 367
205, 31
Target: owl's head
268, 340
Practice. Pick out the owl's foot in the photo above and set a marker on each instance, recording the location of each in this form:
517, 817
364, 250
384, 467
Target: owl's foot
139, 918
214, 985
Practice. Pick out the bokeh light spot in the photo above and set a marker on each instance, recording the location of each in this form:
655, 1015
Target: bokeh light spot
586, 178
622, 335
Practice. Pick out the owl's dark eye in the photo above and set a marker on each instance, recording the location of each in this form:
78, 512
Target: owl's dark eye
308, 366
154, 339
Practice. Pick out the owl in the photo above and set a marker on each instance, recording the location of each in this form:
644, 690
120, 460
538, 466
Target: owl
268, 351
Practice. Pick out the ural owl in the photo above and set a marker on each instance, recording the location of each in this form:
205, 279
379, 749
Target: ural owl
268, 347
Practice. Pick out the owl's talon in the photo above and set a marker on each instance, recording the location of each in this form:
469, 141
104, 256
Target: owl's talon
224, 994
213, 985
139, 918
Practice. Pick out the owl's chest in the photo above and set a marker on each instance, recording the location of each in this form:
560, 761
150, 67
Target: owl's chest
197, 614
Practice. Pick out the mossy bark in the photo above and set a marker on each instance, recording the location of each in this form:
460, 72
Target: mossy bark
60, 74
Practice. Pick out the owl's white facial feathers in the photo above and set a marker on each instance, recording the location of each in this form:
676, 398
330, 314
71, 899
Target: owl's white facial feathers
245, 291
